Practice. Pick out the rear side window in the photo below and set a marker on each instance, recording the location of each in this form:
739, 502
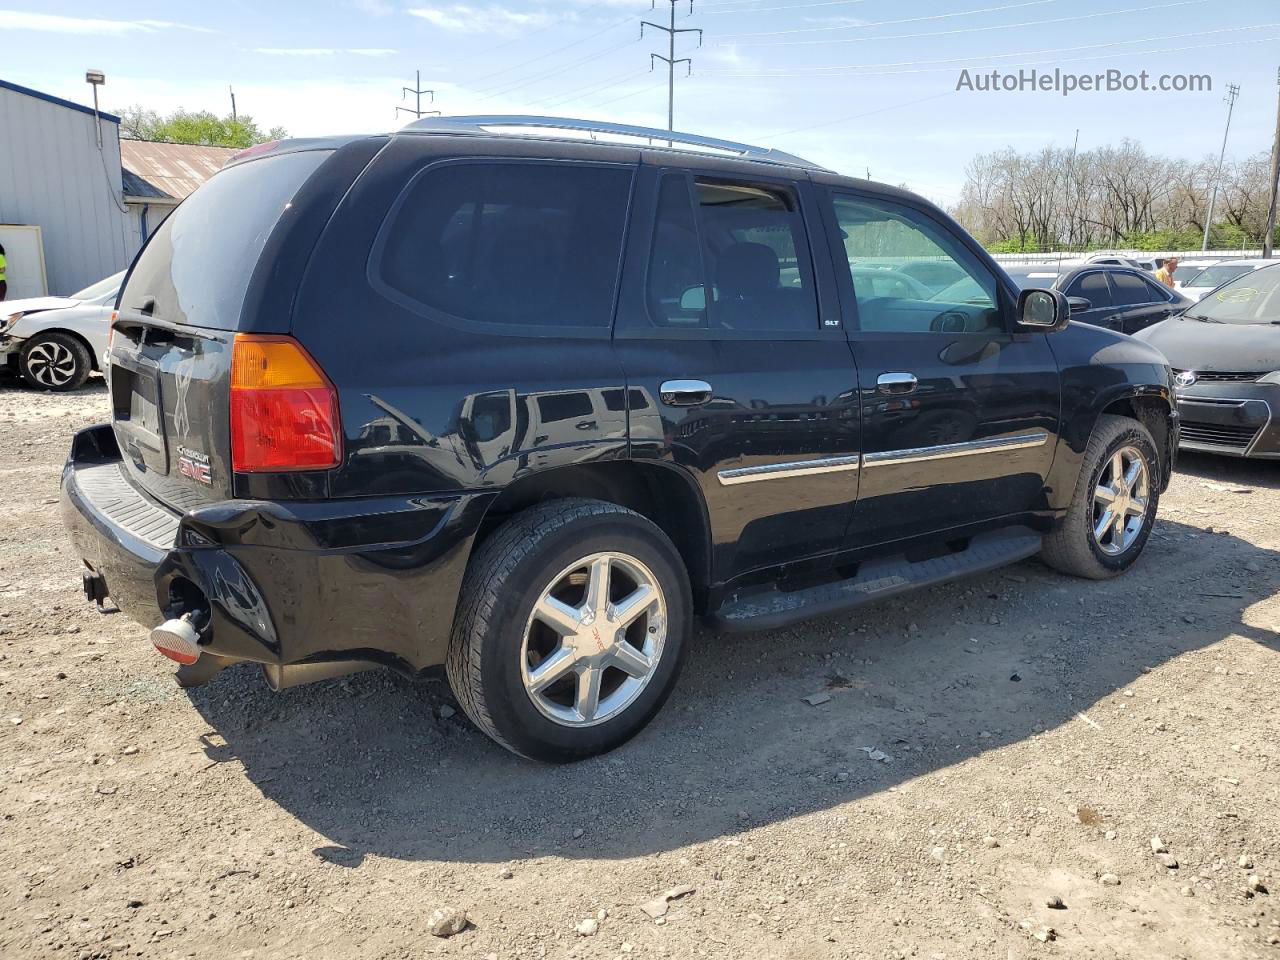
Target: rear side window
1093, 287
518, 244
196, 268
1131, 290
740, 261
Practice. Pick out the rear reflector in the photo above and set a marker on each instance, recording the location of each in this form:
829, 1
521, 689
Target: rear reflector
284, 410
177, 640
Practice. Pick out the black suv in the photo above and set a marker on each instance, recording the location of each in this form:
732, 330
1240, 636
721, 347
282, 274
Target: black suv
494, 394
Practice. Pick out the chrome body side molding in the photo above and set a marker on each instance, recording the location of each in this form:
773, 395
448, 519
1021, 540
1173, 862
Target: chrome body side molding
804, 468
948, 450
793, 468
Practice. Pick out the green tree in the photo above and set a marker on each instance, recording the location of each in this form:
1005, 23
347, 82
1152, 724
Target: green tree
201, 127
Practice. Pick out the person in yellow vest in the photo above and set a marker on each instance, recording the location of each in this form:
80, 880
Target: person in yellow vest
1165, 273
4, 275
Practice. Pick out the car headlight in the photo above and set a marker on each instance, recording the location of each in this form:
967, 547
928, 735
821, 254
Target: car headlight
9, 321
1272, 377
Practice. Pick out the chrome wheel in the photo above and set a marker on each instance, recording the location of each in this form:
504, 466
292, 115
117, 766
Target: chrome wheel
1120, 501
593, 640
51, 364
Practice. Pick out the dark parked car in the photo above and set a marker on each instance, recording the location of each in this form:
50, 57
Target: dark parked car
525, 405
1225, 351
1118, 298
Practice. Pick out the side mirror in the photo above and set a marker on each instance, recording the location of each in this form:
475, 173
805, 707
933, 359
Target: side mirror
1080, 304
1043, 311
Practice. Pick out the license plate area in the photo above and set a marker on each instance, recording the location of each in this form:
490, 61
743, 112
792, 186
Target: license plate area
137, 414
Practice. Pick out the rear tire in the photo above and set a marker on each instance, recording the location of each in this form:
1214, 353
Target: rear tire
586, 566
1084, 544
55, 361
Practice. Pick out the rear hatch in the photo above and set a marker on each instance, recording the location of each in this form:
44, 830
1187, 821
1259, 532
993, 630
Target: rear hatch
180, 308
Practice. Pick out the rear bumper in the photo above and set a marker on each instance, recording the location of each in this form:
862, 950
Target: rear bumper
1235, 420
284, 582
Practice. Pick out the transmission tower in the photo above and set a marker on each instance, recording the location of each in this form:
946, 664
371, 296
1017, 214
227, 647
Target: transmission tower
670, 59
417, 92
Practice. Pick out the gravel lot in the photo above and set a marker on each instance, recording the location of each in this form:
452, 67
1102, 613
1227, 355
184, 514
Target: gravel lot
1037, 733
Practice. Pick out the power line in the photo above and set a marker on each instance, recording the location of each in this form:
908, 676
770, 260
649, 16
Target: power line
830, 70
557, 99
554, 71
670, 60
1054, 62
887, 23
998, 26
789, 7
552, 52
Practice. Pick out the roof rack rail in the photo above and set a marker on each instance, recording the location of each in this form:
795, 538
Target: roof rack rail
482, 125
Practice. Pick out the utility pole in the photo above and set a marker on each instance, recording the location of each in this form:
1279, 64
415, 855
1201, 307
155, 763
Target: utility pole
670, 60
231, 90
417, 92
1270, 232
1233, 91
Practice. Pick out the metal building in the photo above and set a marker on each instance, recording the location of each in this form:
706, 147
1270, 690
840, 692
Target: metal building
159, 176
57, 174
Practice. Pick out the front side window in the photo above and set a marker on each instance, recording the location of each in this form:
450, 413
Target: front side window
739, 261
898, 260
524, 244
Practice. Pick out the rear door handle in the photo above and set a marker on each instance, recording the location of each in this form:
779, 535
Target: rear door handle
685, 393
892, 383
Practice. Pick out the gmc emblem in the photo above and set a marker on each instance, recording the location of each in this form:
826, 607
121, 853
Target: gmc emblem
195, 466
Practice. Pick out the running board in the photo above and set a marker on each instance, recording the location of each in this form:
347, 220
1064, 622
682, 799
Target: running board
768, 608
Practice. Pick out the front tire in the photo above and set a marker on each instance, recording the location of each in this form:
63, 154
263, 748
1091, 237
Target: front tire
55, 361
1114, 504
570, 630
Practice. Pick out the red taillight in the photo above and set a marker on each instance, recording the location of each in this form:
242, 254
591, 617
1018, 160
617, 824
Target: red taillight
284, 410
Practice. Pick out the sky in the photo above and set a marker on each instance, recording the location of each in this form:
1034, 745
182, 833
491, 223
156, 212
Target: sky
856, 85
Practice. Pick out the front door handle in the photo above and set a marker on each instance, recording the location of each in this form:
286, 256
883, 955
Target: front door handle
892, 383
685, 393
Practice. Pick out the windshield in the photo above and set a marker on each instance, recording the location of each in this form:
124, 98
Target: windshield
103, 288
1213, 276
1254, 298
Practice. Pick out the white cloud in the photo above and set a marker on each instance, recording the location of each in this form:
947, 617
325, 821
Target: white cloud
52, 23
324, 51
460, 18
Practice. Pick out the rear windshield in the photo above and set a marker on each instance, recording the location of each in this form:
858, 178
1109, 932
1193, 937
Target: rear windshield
197, 266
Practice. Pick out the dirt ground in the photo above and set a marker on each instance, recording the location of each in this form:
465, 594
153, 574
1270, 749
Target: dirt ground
1037, 733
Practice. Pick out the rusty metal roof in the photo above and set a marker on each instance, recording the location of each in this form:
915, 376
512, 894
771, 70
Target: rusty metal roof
156, 171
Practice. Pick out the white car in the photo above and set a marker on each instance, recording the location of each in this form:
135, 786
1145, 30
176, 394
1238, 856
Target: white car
1215, 275
56, 342
1114, 260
